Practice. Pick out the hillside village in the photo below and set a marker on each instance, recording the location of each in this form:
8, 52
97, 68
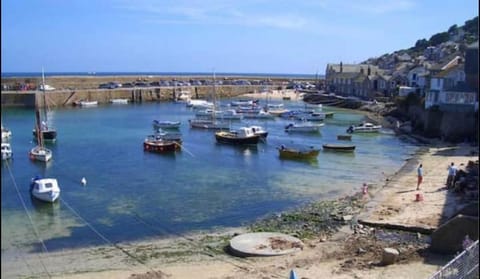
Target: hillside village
433, 83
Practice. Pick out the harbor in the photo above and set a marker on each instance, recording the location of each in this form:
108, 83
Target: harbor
206, 185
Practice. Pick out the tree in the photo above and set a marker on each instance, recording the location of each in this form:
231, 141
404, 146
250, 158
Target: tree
421, 44
439, 38
452, 28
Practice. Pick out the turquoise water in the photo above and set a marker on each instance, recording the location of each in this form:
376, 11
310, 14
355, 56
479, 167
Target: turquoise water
131, 195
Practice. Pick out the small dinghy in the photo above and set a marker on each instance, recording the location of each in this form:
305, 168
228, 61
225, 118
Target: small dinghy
339, 147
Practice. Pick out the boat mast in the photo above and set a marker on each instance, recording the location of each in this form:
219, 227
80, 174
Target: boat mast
44, 99
39, 133
214, 98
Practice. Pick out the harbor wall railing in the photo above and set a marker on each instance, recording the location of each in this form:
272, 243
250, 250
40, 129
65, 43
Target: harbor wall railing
464, 265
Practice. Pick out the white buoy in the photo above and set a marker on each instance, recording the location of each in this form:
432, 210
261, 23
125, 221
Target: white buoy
84, 181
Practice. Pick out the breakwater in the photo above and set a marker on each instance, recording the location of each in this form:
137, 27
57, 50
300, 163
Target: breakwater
60, 98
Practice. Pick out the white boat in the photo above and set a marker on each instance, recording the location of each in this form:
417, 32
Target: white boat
40, 153
304, 127
240, 136
184, 96
6, 133
258, 130
314, 116
259, 115
209, 124
278, 112
209, 112
199, 104
87, 103
242, 103
119, 101
212, 123
45, 189
165, 124
276, 106
6, 151
365, 127
230, 114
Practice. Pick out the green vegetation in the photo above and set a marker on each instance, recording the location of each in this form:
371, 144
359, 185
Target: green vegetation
319, 218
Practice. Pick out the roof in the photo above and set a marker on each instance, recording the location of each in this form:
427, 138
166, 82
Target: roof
445, 72
352, 68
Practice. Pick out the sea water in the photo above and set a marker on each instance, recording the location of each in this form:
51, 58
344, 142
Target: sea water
132, 195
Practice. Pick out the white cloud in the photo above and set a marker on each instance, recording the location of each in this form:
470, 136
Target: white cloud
212, 13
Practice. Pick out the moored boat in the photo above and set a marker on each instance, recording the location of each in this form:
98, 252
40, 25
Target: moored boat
364, 127
258, 130
209, 124
339, 147
45, 189
304, 127
165, 124
119, 101
40, 153
152, 144
309, 152
6, 151
6, 133
48, 132
164, 135
242, 135
86, 103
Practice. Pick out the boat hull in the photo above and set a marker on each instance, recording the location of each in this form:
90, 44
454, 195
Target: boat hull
225, 137
51, 196
48, 135
161, 146
288, 153
208, 124
165, 125
339, 147
40, 154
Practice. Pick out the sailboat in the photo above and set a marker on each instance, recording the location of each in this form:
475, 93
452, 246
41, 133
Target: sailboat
48, 133
212, 123
40, 152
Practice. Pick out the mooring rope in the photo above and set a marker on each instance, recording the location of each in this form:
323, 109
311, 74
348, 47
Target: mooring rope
45, 250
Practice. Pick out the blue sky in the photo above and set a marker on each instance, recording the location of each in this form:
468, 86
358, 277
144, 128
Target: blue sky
245, 36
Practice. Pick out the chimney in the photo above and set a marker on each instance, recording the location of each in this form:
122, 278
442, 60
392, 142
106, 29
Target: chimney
341, 67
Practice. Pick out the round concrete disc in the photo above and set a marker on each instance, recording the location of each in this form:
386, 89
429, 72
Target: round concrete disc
265, 244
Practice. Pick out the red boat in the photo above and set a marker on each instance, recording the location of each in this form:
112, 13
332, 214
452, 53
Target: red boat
160, 146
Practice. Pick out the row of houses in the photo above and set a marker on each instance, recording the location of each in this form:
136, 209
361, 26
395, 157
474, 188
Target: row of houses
451, 83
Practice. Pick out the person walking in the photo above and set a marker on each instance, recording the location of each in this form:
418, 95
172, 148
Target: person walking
452, 171
419, 176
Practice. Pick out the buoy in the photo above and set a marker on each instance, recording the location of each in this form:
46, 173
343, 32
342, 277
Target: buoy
84, 181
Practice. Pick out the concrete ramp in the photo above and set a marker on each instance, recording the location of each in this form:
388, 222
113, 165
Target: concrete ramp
265, 244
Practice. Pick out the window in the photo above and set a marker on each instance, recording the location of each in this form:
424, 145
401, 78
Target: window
48, 185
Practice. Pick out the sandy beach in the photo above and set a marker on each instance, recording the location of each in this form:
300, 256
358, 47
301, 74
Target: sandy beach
349, 253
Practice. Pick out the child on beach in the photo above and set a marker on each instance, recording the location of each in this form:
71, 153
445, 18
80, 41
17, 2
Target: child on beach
452, 171
420, 176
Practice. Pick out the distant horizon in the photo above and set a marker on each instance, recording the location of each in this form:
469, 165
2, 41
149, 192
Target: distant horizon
223, 74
